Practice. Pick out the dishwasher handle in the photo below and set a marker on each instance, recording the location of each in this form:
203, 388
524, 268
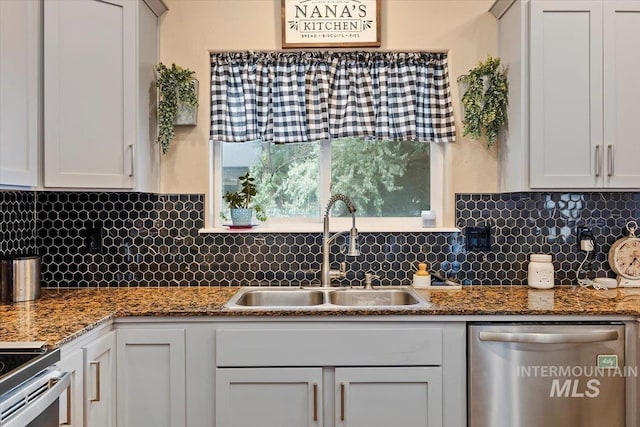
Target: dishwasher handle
549, 338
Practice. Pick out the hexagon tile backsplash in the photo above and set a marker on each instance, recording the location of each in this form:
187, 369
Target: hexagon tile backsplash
153, 240
17, 222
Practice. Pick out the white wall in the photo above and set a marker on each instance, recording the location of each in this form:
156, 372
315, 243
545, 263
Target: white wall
192, 28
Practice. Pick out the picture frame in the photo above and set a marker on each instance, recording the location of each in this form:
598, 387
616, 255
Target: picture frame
330, 23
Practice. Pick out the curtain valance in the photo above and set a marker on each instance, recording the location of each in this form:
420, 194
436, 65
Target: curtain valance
288, 97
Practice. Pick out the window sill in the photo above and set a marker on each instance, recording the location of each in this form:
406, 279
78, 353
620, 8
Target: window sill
317, 228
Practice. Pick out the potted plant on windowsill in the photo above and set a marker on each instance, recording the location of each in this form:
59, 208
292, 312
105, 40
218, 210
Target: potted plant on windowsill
178, 91
240, 203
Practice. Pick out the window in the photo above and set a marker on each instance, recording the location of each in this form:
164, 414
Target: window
379, 121
389, 182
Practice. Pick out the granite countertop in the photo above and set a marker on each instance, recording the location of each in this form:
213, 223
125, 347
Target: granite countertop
62, 315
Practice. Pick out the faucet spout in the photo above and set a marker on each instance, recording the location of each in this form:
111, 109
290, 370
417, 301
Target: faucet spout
326, 273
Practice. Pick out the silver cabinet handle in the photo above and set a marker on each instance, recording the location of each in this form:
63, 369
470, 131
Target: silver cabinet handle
598, 161
315, 402
544, 338
97, 382
68, 418
610, 160
133, 159
342, 402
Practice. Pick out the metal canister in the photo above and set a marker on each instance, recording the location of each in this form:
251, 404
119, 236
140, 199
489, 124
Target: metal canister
19, 278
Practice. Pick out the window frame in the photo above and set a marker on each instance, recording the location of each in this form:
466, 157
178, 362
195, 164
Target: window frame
213, 222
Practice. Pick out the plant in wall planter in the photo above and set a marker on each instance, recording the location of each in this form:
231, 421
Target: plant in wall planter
485, 100
240, 203
178, 97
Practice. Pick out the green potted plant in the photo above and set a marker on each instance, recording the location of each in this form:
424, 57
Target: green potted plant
177, 87
485, 100
240, 203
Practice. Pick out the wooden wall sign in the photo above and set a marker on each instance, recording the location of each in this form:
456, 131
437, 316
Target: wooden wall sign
330, 23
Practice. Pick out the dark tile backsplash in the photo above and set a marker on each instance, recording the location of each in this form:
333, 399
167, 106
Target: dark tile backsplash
17, 222
526, 223
153, 240
134, 239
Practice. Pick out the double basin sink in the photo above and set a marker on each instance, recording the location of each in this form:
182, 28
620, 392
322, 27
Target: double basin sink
292, 298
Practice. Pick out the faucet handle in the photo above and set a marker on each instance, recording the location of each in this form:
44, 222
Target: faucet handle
343, 267
368, 277
339, 274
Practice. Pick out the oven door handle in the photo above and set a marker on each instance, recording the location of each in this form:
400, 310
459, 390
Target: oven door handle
59, 383
549, 338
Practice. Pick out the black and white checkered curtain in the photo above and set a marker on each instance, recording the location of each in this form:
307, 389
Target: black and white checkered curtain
286, 97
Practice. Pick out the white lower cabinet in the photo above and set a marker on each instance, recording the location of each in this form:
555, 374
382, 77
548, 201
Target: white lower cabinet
100, 381
266, 397
241, 372
72, 402
340, 374
151, 380
362, 397
399, 397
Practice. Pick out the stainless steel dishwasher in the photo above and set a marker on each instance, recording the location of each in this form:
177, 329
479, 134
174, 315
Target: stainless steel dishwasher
532, 375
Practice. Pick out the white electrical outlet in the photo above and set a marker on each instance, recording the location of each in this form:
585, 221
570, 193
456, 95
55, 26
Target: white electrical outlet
586, 245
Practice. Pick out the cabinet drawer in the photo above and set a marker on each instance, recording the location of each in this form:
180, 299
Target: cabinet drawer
329, 346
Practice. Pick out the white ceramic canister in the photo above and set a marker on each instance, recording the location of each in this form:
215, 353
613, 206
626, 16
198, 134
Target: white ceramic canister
540, 272
428, 218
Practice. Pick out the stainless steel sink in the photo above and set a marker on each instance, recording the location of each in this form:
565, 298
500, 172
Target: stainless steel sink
261, 298
373, 297
281, 298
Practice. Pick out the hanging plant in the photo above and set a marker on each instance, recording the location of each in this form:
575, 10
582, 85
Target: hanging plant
176, 85
485, 100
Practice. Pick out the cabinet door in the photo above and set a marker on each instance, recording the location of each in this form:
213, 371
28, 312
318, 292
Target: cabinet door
89, 93
399, 397
72, 402
268, 397
20, 34
100, 381
621, 93
151, 378
566, 147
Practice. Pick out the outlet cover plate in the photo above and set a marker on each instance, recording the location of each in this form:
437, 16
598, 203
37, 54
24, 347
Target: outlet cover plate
478, 238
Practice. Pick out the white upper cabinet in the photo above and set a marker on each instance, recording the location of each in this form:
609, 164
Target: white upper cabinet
571, 75
19, 91
566, 94
621, 143
98, 71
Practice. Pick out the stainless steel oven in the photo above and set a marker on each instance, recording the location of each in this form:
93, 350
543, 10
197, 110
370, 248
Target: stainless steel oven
30, 385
